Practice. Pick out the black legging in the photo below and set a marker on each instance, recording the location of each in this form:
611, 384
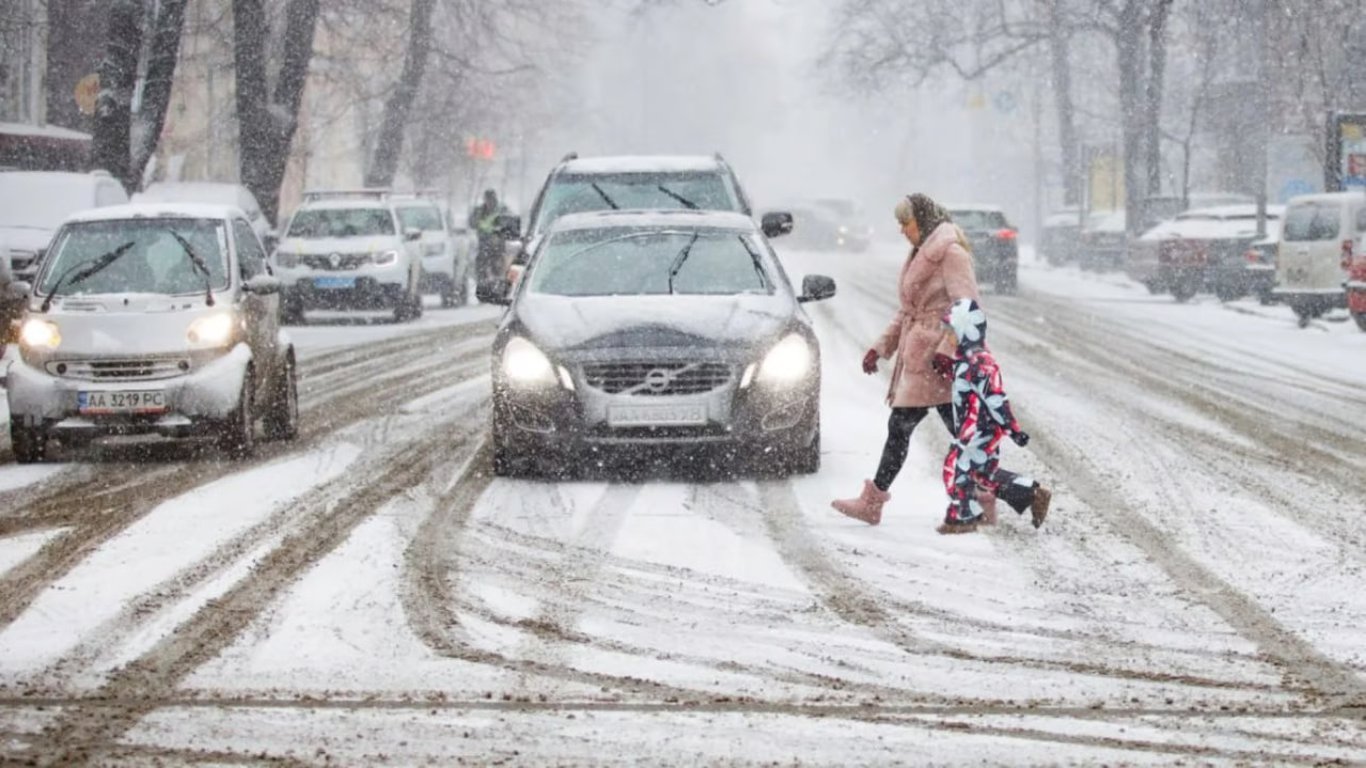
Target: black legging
902, 423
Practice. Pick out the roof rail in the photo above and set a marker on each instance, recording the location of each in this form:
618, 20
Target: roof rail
375, 193
570, 156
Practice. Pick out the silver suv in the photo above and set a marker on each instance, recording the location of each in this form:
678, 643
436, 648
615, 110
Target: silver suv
153, 319
349, 250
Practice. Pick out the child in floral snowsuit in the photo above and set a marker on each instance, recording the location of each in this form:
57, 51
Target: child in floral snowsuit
982, 417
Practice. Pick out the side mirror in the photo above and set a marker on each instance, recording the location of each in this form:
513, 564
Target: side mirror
495, 292
816, 288
412, 235
262, 285
508, 225
18, 290
270, 240
777, 224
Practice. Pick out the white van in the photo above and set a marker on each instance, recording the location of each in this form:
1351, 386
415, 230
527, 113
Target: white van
1310, 264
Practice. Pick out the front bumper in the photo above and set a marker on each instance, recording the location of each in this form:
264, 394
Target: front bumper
371, 288
195, 401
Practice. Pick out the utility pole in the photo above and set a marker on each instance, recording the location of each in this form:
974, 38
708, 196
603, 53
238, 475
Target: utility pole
1261, 131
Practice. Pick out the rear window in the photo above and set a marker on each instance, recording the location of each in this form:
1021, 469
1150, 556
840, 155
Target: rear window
980, 220
571, 193
341, 222
1312, 221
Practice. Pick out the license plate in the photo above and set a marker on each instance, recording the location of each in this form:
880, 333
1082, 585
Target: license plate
326, 283
683, 415
121, 402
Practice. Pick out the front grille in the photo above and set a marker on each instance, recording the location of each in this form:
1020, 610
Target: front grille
345, 261
119, 370
652, 379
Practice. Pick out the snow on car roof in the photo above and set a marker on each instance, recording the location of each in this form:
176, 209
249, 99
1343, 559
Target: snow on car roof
665, 218
642, 164
984, 207
42, 131
1212, 227
157, 211
348, 202
1326, 197
1230, 212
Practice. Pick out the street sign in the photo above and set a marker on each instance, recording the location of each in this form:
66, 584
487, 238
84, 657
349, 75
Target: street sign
1346, 166
87, 93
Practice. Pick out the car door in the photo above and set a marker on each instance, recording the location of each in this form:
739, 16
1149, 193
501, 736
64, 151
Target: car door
262, 312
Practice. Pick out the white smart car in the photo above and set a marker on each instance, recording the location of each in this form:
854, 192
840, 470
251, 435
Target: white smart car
153, 319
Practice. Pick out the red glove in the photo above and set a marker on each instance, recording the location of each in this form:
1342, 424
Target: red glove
870, 361
942, 365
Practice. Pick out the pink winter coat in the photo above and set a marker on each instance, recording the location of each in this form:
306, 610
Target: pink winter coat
937, 275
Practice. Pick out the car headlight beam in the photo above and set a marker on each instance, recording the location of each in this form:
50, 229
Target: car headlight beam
40, 334
525, 365
214, 330
787, 363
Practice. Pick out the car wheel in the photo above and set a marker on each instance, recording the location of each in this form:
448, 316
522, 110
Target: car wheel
1183, 290
1266, 298
292, 310
1227, 293
282, 420
807, 460
1153, 286
238, 435
1360, 318
28, 443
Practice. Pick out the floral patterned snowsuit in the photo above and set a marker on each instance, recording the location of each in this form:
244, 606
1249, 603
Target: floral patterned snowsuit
982, 417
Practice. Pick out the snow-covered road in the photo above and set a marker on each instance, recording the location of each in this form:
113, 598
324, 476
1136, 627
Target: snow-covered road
371, 594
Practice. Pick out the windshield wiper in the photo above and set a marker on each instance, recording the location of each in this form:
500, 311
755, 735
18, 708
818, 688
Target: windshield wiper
679, 259
82, 272
685, 202
605, 197
754, 257
199, 265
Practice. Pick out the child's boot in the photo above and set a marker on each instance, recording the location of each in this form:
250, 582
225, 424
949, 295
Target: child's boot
866, 507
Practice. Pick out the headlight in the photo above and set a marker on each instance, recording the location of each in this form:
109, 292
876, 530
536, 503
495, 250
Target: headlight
214, 330
787, 362
385, 259
286, 260
40, 334
844, 230
526, 365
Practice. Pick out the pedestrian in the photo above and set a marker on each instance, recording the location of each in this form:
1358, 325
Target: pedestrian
937, 272
489, 257
982, 418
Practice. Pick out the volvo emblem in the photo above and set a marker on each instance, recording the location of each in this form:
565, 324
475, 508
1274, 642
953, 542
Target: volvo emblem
334, 260
658, 380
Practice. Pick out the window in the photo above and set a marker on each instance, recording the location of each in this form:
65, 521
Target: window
426, 218
1312, 221
567, 194
249, 251
151, 259
341, 222
637, 262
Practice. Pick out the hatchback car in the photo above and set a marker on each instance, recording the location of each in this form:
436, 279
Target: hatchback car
995, 244
1206, 249
153, 319
349, 250
672, 329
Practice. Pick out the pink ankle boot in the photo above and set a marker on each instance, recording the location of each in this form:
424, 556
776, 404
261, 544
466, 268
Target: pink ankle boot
867, 507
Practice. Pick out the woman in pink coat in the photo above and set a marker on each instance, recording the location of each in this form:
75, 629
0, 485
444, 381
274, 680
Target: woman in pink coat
937, 273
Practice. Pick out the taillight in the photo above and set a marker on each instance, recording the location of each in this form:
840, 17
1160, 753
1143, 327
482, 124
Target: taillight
1006, 234
1252, 256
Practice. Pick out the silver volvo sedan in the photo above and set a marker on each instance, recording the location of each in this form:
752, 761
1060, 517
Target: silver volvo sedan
153, 319
676, 329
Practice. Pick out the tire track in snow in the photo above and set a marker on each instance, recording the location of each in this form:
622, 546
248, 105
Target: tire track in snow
95, 519
85, 731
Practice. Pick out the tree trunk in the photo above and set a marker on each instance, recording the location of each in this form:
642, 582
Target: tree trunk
1157, 73
156, 90
389, 147
118, 76
266, 125
1061, 50
1129, 53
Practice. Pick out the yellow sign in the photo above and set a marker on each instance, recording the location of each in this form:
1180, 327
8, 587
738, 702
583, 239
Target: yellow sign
87, 93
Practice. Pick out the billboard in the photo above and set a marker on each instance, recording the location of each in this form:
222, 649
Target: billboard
1346, 166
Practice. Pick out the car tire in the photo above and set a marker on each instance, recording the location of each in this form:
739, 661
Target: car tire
237, 434
807, 459
1183, 290
1153, 286
448, 297
282, 419
28, 443
1360, 318
292, 310
1227, 293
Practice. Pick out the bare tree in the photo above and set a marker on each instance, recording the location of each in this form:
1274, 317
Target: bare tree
267, 120
389, 146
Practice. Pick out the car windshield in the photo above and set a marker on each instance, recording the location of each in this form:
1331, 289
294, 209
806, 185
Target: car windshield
424, 217
639, 262
570, 193
341, 222
979, 220
155, 263
1311, 221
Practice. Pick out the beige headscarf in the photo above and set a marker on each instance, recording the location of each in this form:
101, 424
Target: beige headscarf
928, 216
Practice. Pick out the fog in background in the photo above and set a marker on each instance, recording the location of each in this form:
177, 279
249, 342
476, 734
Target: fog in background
745, 78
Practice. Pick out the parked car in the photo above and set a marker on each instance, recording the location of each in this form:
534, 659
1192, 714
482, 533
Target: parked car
1061, 238
1202, 250
445, 253
1103, 241
349, 250
33, 205
1259, 266
1316, 251
153, 319
665, 328
214, 193
851, 230
995, 244
650, 182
